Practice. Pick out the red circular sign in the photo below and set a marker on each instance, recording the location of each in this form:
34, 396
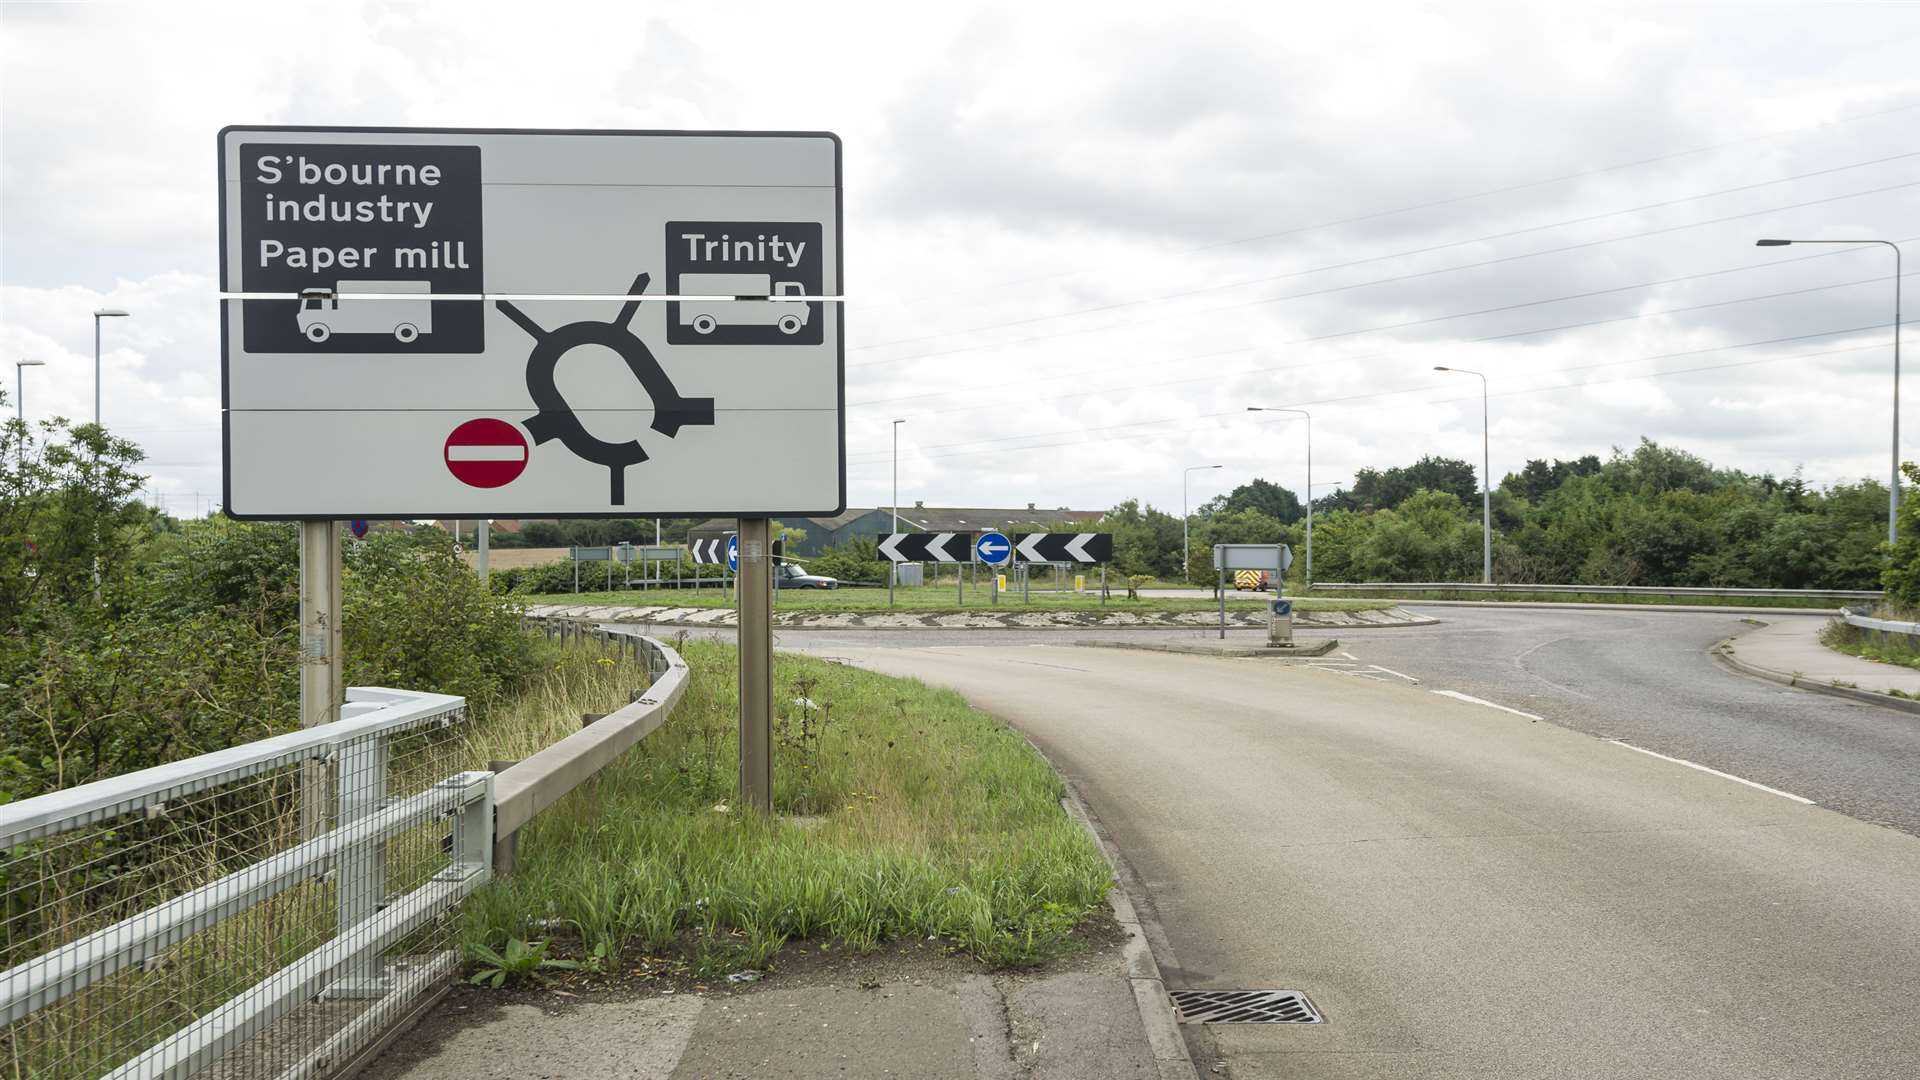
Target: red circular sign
486, 453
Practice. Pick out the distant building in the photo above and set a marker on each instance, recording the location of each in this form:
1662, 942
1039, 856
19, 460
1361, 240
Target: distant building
874, 522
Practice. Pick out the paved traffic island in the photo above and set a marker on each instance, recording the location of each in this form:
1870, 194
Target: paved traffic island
982, 620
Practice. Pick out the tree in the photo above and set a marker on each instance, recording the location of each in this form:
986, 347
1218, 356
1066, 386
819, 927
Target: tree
1265, 497
1376, 490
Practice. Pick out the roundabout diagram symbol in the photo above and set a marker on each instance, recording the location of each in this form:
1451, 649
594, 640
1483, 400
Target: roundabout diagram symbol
556, 418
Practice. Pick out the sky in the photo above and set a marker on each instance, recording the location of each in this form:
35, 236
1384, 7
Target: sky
1081, 239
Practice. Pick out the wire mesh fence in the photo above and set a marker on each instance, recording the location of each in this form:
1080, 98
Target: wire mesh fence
267, 923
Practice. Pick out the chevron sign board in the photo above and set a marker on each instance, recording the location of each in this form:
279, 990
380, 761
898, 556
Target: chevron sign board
709, 552
927, 547
1064, 547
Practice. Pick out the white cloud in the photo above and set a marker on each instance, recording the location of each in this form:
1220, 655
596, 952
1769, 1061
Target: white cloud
1027, 185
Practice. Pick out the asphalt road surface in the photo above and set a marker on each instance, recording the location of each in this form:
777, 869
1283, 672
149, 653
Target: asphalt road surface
1466, 891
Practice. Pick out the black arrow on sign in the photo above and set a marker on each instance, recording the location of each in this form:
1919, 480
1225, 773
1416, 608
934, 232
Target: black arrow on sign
1065, 547
926, 547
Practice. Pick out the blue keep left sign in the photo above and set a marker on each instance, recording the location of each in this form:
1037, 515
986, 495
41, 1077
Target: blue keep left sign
993, 548
733, 554
1282, 606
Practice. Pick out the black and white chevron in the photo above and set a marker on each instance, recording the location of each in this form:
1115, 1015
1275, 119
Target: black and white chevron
1064, 547
927, 547
709, 552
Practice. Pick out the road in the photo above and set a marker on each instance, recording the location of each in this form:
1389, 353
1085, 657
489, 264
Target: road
1465, 891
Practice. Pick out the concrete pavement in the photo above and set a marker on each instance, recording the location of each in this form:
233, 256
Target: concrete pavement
1464, 890
1791, 648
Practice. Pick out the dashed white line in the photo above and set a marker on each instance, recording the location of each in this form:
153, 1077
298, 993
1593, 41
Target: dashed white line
1458, 696
1714, 772
1390, 671
1348, 655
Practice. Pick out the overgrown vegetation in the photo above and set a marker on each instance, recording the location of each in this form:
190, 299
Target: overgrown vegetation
187, 643
1873, 645
901, 811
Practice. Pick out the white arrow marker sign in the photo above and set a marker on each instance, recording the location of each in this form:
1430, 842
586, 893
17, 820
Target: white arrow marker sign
937, 547
1077, 547
890, 548
1029, 547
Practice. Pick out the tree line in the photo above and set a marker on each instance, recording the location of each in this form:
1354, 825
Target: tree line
1651, 515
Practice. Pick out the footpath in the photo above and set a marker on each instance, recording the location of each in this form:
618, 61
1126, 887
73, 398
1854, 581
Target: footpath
1012, 619
1787, 649
910, 1012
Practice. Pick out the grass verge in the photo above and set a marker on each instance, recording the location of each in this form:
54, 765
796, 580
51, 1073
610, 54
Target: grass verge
901, 810
941, 599
1390, 595
1873, 645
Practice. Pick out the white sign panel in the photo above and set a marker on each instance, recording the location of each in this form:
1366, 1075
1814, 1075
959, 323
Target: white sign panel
479, 323
1274, 557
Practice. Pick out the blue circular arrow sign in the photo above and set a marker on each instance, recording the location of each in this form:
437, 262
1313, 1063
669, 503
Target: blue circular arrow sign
733, 554
359, 528
993, 548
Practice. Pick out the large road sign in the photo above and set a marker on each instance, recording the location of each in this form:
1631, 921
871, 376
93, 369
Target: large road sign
926, 547
489, 323
1272, 557
1065, 547
993, 548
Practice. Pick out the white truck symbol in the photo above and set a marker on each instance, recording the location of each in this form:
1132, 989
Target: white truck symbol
321, 315
781, 307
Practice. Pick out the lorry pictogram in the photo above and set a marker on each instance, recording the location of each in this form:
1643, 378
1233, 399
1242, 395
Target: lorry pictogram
322, 316
771, 304
556, 418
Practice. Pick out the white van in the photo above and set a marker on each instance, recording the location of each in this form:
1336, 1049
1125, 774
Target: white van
321, 315
780, 308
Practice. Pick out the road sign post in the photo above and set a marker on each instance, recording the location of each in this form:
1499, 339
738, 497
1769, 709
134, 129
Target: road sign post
321, 681
484, 535
1270, 558
754, 587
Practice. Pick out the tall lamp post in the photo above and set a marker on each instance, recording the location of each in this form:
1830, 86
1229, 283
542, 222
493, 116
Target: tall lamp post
1893, 486
1486, 480
20, 384
1186, 549
103, 313
1309, 416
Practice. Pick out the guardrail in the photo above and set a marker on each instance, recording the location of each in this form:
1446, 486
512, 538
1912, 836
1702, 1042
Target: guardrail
1885, 626
1599, 590
532, 785
277, 909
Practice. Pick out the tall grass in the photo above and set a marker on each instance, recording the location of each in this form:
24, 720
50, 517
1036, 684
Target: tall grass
900, 810
1872, 644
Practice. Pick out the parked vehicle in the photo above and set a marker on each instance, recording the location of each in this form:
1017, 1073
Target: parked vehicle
790, 575
1251, 580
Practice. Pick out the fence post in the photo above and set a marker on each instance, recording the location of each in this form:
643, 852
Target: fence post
360, 886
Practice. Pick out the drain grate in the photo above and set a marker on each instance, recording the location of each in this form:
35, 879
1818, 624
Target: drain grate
1244, 1007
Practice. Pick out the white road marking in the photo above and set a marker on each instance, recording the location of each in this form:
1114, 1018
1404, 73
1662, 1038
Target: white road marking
1390, 671
1348, 655
1715, 772
1458, 696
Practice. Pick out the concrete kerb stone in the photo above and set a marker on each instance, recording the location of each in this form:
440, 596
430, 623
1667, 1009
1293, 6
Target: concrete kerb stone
1207, 648
1169, 1045
1027, 620
1725, 655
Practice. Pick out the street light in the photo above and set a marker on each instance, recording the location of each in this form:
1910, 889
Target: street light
896, 473
103, 313
20, 384
1486, 480
1893, 490
1309, 416
1186, 550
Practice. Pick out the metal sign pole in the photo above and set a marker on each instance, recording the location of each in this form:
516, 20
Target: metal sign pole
754, 590
1103, 584
1220, 586
485, 532
320, 676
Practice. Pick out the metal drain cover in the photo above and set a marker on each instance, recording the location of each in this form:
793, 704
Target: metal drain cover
1244, 1007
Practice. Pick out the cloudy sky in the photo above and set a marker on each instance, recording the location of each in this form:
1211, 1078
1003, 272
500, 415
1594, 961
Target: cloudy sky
1081, 239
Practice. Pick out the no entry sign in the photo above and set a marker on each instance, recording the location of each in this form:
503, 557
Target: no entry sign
506, 323
486, 453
